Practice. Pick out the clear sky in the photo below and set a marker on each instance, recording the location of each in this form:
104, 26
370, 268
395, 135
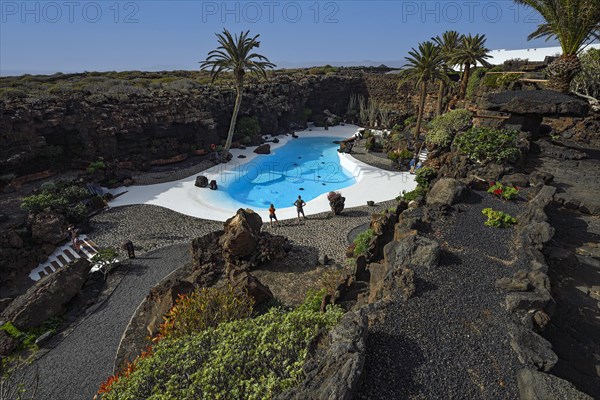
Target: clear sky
71, 35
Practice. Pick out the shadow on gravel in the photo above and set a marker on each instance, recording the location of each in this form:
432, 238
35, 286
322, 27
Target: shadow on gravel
390, 369
448, 258
138, 269
355, 213
474, 198
422, 286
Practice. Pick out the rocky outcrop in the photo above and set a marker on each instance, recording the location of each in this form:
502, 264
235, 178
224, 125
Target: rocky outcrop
48, 297
7, 343
48, 227
220, 258
241, 233
334, 372
263, 149
412, 250
535, 102
534, 385
532, 349
201, 181
446, 192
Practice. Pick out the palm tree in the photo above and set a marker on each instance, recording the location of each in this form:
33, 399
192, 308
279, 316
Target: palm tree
575, 23
423, 66
448, 45
471, 51
235, 54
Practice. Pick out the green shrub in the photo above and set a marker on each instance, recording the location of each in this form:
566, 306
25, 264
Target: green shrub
203, 309
413, 194
28, 337
410, 120
362, 241
443, 128
74, 193
42, 201
247, 358
64, 198
424, 176
96, 166
49, 186
307, 113
487, 144
506, 192
474, 81
502, 81
393, 155
12, 330
406, 155
247, 126
498, 219
6, 179
12, 93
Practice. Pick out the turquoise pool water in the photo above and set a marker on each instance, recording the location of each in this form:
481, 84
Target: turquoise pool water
307, 166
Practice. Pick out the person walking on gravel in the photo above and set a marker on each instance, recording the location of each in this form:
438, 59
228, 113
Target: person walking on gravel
272, 216
300, 207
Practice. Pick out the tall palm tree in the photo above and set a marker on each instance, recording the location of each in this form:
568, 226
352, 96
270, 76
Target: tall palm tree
471, 51
574, 23
235, 54
448, 44
423, 66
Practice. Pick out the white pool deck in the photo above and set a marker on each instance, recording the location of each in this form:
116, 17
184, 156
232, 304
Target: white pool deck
183, 197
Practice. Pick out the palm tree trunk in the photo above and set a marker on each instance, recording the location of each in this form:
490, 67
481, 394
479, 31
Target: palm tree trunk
464, 81
236, 110
440, 99
562, 71
421, 110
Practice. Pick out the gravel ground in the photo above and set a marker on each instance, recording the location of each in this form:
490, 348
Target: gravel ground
451, 340
76, 367
150, 227
376, 159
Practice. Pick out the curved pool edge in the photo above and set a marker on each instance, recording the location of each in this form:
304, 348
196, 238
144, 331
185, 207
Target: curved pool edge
372, 184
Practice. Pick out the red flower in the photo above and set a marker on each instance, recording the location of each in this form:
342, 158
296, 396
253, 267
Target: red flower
498, 192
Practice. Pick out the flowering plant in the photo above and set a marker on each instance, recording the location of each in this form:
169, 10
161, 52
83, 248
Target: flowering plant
506, 192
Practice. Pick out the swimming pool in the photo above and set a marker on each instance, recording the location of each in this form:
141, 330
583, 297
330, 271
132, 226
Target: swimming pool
182, 196
308, 167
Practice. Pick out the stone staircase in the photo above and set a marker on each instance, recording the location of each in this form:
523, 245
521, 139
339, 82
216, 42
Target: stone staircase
64, 255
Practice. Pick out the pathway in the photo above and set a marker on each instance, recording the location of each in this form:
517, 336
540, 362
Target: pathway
451, 340
76, 367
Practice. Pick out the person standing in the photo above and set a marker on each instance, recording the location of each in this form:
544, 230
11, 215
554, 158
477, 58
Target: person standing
413, 163
272, 216
300, 207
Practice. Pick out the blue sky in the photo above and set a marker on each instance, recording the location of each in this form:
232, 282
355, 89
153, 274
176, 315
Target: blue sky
71, 35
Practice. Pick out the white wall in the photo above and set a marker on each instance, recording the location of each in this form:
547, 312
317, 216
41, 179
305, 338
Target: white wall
499, 56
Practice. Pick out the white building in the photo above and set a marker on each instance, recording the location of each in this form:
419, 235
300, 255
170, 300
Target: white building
539, 54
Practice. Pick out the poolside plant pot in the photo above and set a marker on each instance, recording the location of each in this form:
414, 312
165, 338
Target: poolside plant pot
336, 202
201, 181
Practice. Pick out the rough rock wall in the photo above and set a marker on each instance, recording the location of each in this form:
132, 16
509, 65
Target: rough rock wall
37, 133
402, 99
160, 124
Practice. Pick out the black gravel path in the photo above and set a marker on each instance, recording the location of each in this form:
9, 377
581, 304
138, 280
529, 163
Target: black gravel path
76, 367
451, 341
